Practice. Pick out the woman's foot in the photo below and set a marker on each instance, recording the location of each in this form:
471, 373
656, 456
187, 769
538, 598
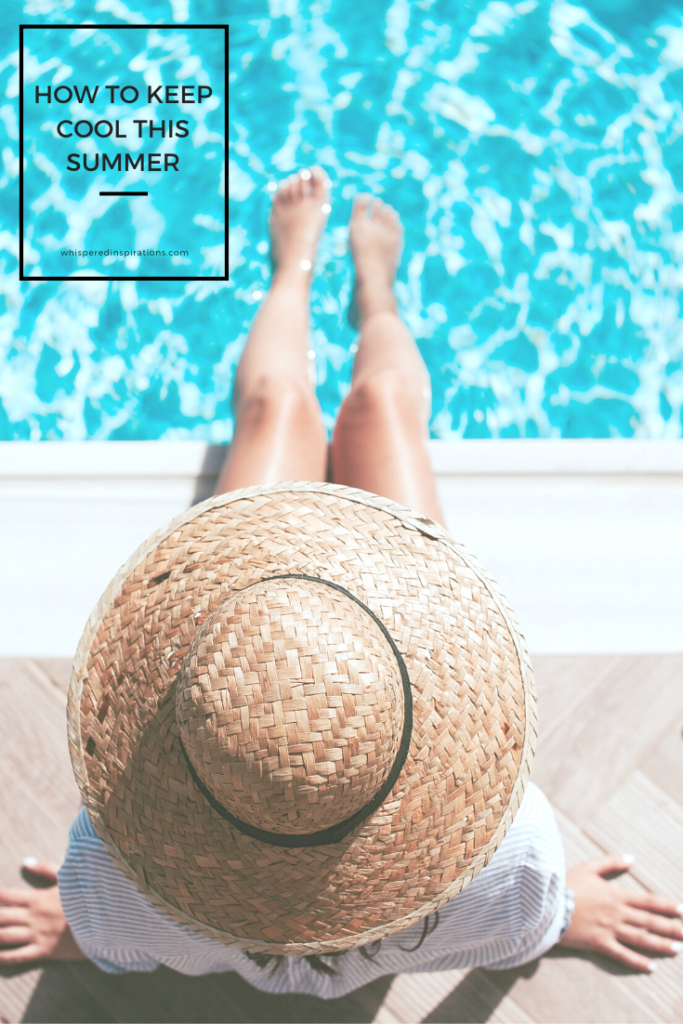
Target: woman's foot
611, 921
32, 924
299, 213
376, 237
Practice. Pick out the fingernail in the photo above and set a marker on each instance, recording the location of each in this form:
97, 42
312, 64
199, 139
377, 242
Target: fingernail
679, 909
676, 947
628, 858
326, 208
652, 966
30, 862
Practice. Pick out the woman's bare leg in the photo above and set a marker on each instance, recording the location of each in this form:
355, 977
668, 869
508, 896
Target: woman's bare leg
380, 440
279, 434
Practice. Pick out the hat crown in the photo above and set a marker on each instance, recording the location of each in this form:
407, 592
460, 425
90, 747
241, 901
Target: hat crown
290, 706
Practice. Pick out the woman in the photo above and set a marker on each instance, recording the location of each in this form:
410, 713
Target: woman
519, 904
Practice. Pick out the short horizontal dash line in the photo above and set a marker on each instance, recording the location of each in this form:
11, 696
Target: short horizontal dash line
124, 193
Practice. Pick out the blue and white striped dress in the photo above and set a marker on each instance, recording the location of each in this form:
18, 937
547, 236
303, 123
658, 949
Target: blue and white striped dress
513, 911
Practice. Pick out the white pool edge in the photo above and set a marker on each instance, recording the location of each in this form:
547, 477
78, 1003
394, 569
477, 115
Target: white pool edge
585, 537
472, 457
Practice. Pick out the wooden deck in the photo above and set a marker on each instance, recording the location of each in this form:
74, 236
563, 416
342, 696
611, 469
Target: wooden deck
610, 759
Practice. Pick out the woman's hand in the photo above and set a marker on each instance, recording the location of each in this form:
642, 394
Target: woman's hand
32, 924
612, 921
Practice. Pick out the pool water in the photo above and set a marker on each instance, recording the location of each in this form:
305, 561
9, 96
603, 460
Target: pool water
534, 152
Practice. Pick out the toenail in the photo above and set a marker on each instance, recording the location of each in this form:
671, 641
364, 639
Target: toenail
272, 186
304, 175
305, 264
326, 208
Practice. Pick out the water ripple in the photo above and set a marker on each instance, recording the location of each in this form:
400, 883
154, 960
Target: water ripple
534, 151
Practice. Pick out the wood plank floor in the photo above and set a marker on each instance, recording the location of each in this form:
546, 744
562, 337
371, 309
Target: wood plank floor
610, 758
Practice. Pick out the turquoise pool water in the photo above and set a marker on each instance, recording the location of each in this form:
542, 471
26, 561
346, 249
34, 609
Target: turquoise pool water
534, 151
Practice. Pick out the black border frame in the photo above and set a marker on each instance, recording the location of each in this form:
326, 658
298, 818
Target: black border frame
100, 277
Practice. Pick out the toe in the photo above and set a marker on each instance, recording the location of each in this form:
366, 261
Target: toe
281, 197
320, 183
304, 183
287, 190
316, 179
361, 205
388, 214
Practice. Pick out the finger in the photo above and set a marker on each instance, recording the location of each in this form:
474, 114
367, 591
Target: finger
656, 904
20, 955
40, 867
610, 864
14, 897
15, 936
646, 940
657, 923
13, 915
39, 873
627, 956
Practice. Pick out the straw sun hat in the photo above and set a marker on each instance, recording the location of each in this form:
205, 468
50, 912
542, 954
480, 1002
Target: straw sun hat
301, 718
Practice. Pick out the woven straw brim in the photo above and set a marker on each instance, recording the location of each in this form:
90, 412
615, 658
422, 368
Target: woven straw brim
474, 721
